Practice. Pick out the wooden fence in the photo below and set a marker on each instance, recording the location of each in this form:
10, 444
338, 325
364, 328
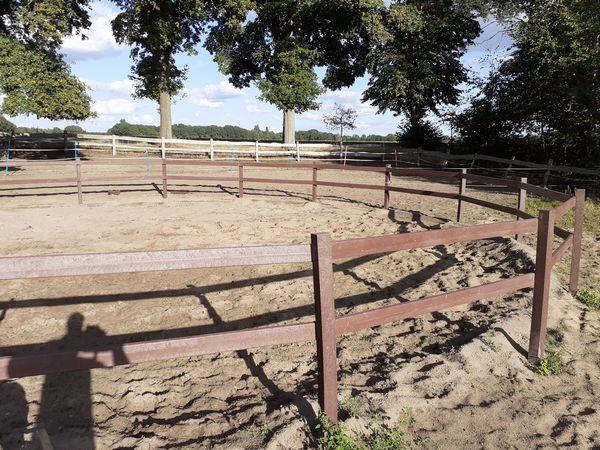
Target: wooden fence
351, 151
321, 253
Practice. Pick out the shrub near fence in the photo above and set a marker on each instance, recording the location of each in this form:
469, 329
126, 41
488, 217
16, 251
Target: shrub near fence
321, 253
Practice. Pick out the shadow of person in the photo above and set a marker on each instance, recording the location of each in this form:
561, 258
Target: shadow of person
13, 415
66, 405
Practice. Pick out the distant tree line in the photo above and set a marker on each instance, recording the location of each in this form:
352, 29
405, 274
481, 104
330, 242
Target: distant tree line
182, 131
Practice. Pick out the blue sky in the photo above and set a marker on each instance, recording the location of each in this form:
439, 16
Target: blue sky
208, 99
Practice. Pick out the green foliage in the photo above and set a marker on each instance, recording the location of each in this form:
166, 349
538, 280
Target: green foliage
123, 128
551, 364
544, 101
354, 405
34, 77
279, 45
335, 437
590, 298
291, 84
591, 213
416, 67
6, 126
157, 30
259, 431
74, 129
420, 134
378, 437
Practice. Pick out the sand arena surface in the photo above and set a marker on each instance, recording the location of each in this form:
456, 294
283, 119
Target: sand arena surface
462, 372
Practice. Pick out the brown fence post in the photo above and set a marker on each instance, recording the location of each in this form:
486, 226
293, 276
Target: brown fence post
522, 205
325, 323
577, 236
314, 185
240, 180
164, 178
388, 181
462, 187
78, 173
541, 287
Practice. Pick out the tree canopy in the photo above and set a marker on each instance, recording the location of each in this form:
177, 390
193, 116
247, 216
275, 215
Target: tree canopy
416, 67
34, 77
545, 99
277, 44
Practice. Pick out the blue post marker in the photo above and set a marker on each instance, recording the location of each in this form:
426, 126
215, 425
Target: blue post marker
7, 158
75, 152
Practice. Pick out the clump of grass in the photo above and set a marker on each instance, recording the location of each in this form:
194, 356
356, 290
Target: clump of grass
354, 405
335, 437
590, 298
380, 436
591, 214
551, 364
262, 430
491, 344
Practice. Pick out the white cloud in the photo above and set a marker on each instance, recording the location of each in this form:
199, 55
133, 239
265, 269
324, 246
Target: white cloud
125, 87
256, 108
212, 95
344, 95
115, 106
100, 41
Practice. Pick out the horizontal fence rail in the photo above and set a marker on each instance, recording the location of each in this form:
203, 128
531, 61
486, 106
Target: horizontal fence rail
320, 253
20, 267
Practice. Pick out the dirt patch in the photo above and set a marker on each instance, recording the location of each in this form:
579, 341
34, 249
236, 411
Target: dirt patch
460, 371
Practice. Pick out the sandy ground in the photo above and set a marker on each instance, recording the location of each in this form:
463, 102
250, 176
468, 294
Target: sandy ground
462, 373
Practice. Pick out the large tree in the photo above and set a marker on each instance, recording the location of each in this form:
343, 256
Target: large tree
158, 30
416, 68
277, 44
545, 98
34, 78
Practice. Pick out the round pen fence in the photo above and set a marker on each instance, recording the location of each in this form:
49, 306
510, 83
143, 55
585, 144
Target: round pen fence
321, 253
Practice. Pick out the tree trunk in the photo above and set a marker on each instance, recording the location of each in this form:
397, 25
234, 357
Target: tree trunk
289, 127
165, 115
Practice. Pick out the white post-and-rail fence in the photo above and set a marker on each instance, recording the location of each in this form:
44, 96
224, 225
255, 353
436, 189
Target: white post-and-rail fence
377, 151
219, 150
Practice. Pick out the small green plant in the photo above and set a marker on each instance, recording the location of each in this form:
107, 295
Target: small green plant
262, 430
590, 298
492, 345
380, 436
335, 437
551, 364
385, 438
354, 405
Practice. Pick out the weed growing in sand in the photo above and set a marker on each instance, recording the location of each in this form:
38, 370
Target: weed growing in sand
380, 436
492, 345
262, 430
590, 298
354, 405
551, 364
335, 437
